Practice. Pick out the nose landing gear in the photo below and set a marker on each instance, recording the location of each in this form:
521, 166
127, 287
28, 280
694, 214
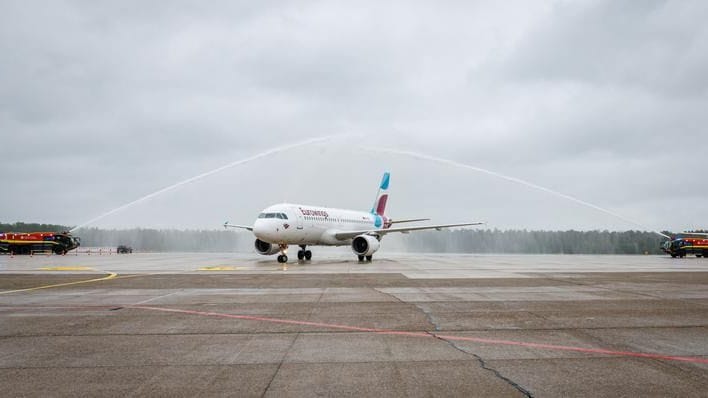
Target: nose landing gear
283, 257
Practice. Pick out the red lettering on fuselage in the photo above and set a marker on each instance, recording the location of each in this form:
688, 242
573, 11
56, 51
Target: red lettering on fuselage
314, 213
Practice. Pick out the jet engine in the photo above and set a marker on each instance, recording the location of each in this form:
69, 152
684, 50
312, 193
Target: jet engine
265, 248
365, 245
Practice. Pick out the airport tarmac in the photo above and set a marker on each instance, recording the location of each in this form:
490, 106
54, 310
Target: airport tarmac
202, 324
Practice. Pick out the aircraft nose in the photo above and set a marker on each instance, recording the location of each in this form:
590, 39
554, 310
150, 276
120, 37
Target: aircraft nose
265, 230
260, 228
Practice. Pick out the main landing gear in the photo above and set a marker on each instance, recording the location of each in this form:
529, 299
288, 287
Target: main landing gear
362, 258
283, 257
303, 253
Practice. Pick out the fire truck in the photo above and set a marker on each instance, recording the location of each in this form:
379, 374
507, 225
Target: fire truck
32, 242
687, 243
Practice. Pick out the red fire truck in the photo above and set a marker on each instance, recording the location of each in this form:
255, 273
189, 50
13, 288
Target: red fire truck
31, 242
687, 243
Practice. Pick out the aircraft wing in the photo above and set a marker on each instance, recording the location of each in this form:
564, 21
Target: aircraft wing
248, 227
351, 234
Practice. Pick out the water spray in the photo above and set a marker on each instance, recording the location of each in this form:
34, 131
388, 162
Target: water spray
208, 173
510, 179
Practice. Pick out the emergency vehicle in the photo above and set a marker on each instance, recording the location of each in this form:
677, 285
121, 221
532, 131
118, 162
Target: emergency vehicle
687, 243
31, 242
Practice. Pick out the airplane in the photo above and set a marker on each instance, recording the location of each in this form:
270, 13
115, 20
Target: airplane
285, 224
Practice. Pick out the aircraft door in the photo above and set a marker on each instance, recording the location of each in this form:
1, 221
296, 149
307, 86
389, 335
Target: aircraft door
299, 216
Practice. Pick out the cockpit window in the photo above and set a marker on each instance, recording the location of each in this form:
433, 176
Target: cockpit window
281, 216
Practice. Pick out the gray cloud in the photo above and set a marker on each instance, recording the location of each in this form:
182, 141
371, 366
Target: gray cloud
101, 103
654, 47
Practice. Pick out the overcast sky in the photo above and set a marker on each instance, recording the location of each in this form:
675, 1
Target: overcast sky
102, 103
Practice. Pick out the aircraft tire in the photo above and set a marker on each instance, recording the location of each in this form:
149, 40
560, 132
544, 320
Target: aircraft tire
308, 255
300, 254
369, 258
361, 259
282, 258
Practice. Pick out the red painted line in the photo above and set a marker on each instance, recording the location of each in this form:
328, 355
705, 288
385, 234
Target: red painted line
576, 349
285, 321
432, 335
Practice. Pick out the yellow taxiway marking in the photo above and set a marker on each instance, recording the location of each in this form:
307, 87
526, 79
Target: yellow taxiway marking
110, 275
67, 269
218, 268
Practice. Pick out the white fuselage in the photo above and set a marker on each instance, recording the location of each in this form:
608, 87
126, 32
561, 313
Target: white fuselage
311, 225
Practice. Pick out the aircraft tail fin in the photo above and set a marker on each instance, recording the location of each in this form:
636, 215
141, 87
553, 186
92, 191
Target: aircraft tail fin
382, 195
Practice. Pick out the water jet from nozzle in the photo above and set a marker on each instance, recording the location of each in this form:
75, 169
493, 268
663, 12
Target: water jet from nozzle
510, 179
206, 174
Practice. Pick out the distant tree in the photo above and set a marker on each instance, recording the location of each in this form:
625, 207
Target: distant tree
451, 241
154, 240
535, 242
32, 227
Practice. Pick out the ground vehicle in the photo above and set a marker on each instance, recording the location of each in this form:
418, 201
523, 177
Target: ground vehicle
687, 243
123, 249
30, 242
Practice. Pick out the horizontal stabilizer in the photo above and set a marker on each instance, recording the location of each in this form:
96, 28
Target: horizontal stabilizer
410, 220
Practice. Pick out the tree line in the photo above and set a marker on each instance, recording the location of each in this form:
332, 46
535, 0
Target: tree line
32, 227
446, 241
165, 240
536, 242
